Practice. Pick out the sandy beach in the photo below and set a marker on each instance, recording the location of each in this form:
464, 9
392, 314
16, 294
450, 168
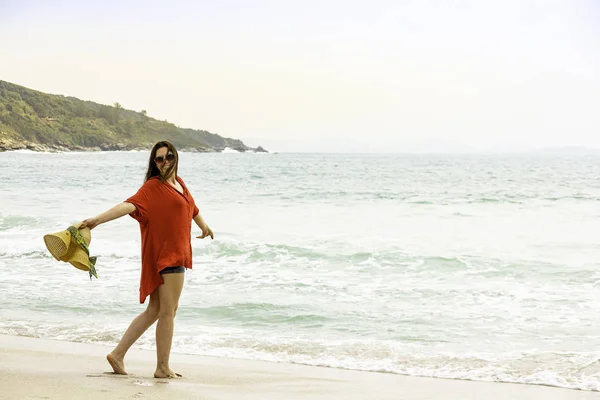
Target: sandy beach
44, 369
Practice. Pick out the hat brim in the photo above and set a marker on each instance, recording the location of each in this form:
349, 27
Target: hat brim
77, 257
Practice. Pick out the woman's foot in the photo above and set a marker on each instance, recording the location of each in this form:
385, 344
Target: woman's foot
117, 364
166, 373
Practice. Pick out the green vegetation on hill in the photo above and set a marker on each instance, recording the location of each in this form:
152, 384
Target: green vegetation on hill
58, 122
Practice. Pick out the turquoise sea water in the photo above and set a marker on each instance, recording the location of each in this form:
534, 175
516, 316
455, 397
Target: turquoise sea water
481, 267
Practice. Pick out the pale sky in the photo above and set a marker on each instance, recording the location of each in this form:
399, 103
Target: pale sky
326, 75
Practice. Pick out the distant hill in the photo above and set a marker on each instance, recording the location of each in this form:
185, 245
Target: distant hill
44, 122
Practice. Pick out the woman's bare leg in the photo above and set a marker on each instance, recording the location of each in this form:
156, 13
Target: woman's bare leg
168, 293
138, 326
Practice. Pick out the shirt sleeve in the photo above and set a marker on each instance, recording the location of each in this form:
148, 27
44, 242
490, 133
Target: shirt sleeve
196, 211
140, 200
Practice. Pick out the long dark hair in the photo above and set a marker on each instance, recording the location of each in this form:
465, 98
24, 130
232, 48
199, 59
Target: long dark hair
153, 169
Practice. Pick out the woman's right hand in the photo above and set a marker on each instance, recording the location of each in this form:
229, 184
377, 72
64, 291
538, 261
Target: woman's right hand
116, 212
90, 223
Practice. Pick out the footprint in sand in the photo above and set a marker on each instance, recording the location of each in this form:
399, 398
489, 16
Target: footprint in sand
142, 383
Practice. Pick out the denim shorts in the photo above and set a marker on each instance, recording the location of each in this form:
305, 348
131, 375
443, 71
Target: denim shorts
173, 270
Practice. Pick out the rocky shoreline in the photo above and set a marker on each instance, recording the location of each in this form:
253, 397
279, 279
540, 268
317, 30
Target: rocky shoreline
7, 144
41, 122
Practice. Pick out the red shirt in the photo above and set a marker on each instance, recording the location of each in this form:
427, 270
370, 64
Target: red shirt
165, 218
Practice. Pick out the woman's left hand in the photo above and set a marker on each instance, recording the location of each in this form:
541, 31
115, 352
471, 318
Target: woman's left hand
205, 233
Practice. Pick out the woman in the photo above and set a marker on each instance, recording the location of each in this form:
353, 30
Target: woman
164, 208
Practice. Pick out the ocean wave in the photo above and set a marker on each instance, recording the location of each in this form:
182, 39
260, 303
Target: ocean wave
258, 314
26, 254
435, 199
565, 370
12, 222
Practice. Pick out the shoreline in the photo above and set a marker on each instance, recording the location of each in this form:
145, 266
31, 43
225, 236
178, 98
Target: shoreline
7, 145
43, 368
61, 150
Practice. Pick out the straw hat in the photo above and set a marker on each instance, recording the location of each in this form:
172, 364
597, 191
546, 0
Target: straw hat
64, 246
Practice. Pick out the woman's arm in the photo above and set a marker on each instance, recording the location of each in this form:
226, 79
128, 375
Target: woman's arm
116, 212
202, 225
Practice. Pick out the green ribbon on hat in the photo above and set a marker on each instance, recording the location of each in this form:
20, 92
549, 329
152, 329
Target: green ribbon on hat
79, 239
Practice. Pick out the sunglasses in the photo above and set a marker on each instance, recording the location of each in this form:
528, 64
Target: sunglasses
161, 159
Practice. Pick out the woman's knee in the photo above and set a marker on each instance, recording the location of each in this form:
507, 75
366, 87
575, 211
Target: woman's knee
167, 311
